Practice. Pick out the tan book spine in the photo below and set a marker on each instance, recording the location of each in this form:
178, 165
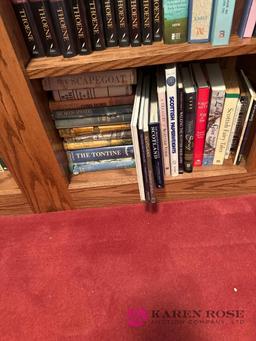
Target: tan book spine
95, 144
70, 132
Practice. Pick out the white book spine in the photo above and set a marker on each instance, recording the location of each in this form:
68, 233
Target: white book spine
233, 129
171, 89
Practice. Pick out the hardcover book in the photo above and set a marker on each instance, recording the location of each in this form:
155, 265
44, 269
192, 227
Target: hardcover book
28, 27
109, 21
134, 22
231, 100
64, 28
95, 144
244, 18
157, 19
223, 12
251, 21
95, 24
146, 22
115, 135
199, 21
93, 130
202, 103
216, 105
91, 80
175, 21
42, 16
93, 166
239, 8
122, 22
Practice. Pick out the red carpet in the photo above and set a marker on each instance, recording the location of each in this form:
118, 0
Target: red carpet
186, 273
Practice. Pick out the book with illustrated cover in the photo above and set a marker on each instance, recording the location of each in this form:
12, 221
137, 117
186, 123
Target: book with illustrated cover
134, 22
146, 22
93, 166
78, 131
28, 27
175, 21
122, 22
95, 24
109, 21
95, 144
157, 9
42, 16
180, 109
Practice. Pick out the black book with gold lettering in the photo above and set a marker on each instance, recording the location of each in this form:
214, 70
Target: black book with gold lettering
122, 22
157, 20
42, 15
134, 22
146, 22
95, 24
109, 21
28, 27
64, 28
80, 23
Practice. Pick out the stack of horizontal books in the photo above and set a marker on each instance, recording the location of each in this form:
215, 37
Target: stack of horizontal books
92, 112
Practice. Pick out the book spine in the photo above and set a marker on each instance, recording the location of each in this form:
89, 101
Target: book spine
239, 9
122, 23
89, 121
146, 22
156, 152
95, 144
251, 21
96, 24
91, 80
109, 21
157, 20
42, 15
244, 19
240, 122
92, 130
144, 165
171, 89
28, 27
199, 21
94, 166
64, 29
104, 153
180, 108
134, 20
213, 125
150, 168
201, 122
175, 21
231, 101
81, 27
222, 21
233, 129
189, 129
248, 135
116, 135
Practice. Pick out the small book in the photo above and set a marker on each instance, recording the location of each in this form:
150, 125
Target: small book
122, 22
146, 22
202, 104
109, 21
134, 22
189, 118
248, 20
199, 21
157, 9
95, 21
175, 21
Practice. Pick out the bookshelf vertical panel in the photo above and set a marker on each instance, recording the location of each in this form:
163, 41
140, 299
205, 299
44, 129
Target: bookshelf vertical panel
25, 144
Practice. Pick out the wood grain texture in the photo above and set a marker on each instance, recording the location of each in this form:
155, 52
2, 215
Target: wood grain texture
24, 143
118, 58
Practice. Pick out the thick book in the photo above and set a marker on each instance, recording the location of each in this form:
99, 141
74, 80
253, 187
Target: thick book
175, 21
68, 132
93, 121
89, 112
157, 19
155, 139
199, 21
223, 12
216, 104
231, 100
146, 22
81, 27
239, 8
115, 135
189, 118
64, 29
122, 22
171, 92
162, 106
109, 21
42, 16
110, 91
104, 153
91, 103
134, 22
95, 22
28, 27
244, 19
93, 166
91, 80
95, 144
180, 110
202, 104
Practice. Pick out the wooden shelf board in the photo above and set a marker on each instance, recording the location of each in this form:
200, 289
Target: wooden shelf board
128, 176
125, 57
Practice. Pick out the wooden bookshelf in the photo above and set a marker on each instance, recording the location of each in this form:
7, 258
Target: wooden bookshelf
125, 57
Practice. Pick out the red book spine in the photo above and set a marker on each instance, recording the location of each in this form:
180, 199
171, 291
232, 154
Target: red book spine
202, 106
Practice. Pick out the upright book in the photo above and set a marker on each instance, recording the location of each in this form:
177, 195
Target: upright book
109, 21
146, 22
199, 23
180, 108
175, 21
157, 19
248, 19
134, 22
96, 24
122, 22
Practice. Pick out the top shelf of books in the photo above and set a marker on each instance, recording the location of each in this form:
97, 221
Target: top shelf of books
125, 57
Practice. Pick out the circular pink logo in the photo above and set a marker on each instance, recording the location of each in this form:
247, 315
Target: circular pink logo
137, 317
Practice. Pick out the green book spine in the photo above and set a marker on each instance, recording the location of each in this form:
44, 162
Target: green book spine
175, 21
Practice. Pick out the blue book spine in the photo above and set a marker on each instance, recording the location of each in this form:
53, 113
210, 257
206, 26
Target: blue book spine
244, 19
222, 21
93, 166
104, 153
